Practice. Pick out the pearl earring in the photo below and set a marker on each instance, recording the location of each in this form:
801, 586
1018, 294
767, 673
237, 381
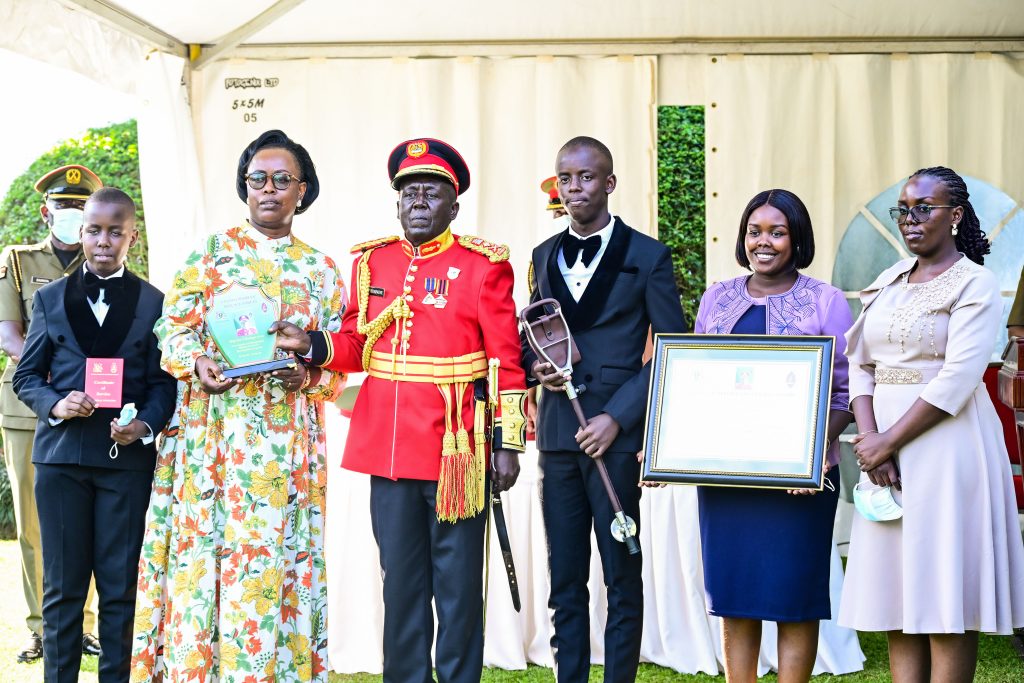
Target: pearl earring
955, 231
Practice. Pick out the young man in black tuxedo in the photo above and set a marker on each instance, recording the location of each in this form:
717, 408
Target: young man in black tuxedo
614, 284
92, 497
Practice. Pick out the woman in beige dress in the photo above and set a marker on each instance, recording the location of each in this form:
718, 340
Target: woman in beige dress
953, 565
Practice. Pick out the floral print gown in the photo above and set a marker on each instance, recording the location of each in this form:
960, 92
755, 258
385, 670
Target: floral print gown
232, 584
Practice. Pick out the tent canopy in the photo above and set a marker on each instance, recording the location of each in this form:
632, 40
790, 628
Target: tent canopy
269, 28
836, 101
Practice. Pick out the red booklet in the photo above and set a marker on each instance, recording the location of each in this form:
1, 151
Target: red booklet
103, 380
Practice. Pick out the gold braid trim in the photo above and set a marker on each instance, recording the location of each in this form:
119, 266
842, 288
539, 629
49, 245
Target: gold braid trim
375, 329
495, 253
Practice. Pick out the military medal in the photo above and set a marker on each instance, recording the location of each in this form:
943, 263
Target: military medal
429, 283
442, 289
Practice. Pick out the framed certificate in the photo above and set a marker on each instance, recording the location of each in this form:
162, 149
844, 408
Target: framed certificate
738, 410
238, 318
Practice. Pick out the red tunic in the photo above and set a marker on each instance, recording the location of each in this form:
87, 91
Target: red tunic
398, 425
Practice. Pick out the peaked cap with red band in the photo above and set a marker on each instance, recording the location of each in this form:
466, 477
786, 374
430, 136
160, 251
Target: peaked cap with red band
550, 185
427, 156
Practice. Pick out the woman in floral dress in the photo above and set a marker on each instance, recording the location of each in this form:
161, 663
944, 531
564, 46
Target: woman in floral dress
232, 584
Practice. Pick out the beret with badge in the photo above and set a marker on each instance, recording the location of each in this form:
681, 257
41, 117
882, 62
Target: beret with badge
427, 156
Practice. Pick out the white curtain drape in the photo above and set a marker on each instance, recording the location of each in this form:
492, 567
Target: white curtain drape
840, 129
507, 117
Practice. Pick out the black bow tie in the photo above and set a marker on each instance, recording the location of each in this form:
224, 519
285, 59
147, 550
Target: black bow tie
573, 247
94, 284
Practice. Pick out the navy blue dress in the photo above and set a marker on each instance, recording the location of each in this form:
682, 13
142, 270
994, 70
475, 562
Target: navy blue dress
766, 553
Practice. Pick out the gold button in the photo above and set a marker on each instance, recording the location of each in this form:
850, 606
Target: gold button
408, 297
408, 323
407, 289
410, 278
412, 313
414, 268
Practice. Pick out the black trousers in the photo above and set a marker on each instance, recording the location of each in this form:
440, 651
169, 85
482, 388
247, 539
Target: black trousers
422, 558
91, 523
574, 501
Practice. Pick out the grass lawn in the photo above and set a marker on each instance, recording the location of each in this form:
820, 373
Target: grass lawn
998, 661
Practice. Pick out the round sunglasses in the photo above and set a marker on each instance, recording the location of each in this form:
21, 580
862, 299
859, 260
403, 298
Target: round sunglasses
281, 179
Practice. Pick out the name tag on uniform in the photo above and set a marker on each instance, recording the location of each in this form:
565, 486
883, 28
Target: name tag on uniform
376, 291
36, 280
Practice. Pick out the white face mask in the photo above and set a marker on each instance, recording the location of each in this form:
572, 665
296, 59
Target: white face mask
67, 225
876, 503
561, 223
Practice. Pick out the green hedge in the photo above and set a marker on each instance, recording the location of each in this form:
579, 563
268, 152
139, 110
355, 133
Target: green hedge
112, 153
681, 221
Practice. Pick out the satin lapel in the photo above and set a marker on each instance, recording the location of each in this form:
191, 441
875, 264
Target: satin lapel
80, 317
603, 280
559, 290
118, 320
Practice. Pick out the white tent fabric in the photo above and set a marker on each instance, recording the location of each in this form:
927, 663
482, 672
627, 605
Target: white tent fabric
507, 117
839, 129
326, 21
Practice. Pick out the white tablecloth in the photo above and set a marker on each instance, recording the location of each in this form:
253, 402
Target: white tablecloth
678, 633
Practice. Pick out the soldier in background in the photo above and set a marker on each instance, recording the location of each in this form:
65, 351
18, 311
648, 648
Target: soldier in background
23, 270
560, 221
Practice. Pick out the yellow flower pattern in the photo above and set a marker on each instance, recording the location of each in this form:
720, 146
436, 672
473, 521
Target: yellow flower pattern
263, 591
271, 484
232, 582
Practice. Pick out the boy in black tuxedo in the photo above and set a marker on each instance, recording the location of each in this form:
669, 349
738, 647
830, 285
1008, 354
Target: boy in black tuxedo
614, 284
92, 497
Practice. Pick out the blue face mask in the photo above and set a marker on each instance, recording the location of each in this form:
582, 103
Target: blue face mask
876, 503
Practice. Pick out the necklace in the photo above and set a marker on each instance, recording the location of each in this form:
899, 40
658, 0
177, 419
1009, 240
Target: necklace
926, 300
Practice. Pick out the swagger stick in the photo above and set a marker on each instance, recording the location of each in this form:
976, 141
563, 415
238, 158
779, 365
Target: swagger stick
548, 335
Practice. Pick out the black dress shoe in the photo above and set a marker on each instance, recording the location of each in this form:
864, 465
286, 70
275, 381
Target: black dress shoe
91, 645
32, 651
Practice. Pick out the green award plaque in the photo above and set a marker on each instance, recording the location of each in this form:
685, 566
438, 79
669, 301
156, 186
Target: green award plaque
238, 319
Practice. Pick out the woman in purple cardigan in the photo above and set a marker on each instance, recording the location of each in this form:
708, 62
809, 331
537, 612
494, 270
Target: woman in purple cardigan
766, 553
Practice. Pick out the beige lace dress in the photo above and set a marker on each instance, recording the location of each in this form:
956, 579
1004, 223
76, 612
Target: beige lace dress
955, 561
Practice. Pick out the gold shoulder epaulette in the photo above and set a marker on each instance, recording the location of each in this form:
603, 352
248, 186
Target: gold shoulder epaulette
373, 244
495, 253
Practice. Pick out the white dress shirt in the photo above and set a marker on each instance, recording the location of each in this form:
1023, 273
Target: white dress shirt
578, 277
100, 306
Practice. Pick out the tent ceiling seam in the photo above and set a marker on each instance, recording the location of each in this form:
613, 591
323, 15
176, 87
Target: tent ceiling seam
119, 18
618, 47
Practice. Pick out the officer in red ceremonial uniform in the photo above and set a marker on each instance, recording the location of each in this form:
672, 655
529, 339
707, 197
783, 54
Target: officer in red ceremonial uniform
432, 322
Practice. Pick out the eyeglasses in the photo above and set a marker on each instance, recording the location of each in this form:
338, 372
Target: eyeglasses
920, 213
281, 179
